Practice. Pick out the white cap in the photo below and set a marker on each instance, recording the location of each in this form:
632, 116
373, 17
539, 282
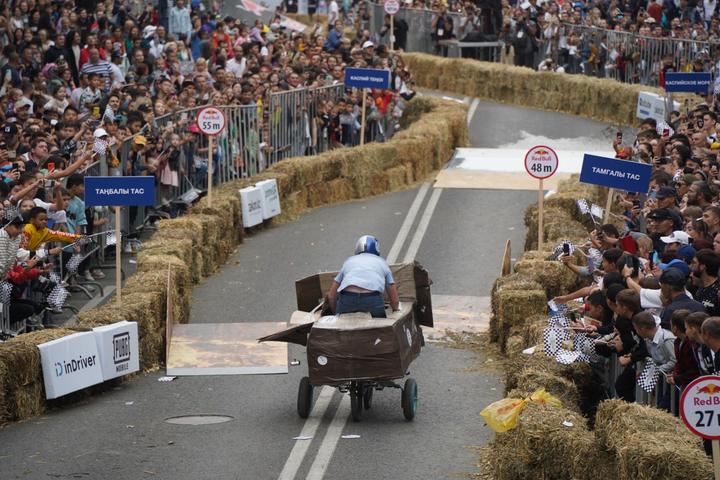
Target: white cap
24, 102
368, 44
100, 132
678, 236
149, 31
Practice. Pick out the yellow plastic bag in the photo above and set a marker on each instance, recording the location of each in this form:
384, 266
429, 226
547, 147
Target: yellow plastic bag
544, 398
502, 415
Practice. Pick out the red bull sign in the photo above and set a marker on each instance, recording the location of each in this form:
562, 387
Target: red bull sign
211, 121
541, 162
700, 407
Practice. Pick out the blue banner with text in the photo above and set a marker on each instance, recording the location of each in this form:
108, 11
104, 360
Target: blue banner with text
119, 191
614, 173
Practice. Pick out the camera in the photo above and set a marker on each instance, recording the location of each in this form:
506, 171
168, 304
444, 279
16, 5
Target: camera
566, 248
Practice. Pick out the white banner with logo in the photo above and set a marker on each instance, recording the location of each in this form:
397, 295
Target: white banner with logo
118, 347
270, 198
70, 363
652, 105
251, 200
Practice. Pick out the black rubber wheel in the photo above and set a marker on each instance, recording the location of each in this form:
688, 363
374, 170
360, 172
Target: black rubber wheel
305, 398
409, 399
367, 397
356, 402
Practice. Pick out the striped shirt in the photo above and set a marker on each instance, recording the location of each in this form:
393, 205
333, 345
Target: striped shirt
102, 67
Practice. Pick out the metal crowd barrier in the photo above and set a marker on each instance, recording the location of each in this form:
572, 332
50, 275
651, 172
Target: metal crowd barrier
623, 56
613, 371
255, 137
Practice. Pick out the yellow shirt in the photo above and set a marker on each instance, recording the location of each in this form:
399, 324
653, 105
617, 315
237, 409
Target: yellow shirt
34, 237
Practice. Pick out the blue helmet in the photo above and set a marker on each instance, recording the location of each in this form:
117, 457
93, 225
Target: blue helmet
367, 244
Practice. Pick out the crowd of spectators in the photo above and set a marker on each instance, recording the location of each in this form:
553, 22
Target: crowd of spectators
88, 88
651, 282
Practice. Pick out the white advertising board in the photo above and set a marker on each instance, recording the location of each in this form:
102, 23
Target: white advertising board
251, 200
652, 105
119, 349
271, 198
70, 363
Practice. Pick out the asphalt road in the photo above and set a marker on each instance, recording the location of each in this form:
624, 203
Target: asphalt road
122, 434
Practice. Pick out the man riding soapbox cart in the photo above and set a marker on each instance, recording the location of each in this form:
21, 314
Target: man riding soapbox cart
355, 352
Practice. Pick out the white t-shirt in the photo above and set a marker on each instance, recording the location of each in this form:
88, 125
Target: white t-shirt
333, 12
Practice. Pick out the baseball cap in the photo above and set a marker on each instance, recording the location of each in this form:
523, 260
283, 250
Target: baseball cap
660, 214
24, 102
676, 264
9, 129
678, 236
686, 253
674, 277
193, 128
100, 132
367, 44
140, 140
666, 192
688, 179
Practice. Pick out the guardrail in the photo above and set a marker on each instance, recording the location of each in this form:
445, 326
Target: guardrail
286, 124
622, 56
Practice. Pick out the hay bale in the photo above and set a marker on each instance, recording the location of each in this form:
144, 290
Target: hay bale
554, 276
542, 446
659, 455
21, 382
157, 262
515, 344
531, 379
617, 421
533, 331
514, 307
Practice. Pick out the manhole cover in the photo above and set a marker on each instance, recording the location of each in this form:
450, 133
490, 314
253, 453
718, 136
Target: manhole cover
199, 419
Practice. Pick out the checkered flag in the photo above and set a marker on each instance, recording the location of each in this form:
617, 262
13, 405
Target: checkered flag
649, 377
553, 339
584, 344
566, 357
583, 206
560, 319
597, 211
56, 298
100, 146
74, 263
110, 238
11, 213
6, 289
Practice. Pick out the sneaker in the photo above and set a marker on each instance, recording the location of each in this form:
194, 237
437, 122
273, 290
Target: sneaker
97, 273
88, 276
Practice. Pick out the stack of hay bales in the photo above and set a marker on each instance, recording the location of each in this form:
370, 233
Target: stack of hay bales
548, 442
601, 99
555, 278
558, 224
514, 299
650, 443
22, 390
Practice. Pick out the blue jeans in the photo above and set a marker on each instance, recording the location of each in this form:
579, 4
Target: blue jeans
351, 302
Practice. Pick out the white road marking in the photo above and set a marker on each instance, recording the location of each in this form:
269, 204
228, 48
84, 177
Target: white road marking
292, 465
330, 441
471, 111
422, 226
409, 220
466, 100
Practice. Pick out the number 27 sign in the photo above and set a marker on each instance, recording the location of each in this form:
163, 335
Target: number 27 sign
700, 407
211, 121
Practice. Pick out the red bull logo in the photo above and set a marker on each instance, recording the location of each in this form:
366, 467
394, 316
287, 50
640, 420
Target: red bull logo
541, 152
710, 389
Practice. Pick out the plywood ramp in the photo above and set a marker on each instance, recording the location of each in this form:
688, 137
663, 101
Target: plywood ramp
226, 349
